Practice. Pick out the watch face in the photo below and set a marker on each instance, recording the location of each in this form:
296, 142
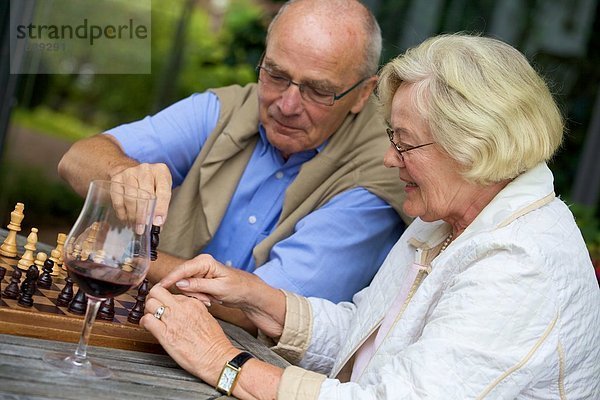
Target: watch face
227, 378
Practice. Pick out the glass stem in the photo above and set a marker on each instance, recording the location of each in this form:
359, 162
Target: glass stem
90, 315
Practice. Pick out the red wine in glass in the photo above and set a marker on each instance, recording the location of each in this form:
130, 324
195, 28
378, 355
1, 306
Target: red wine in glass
106, 254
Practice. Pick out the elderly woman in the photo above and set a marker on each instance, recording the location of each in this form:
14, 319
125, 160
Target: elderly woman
490, 292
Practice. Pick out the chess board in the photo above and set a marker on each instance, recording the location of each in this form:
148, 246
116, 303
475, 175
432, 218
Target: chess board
46, 320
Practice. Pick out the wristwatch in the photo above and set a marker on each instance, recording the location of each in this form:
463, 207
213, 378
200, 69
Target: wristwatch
230, 372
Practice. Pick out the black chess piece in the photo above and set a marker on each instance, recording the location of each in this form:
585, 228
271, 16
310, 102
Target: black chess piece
66, 294
45, 280
137, 311
2, 273
79, 303
12, 290
154, 238
29, 286
107, 310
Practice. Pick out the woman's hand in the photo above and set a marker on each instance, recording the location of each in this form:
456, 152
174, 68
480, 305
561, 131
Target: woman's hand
208, 280
187, 331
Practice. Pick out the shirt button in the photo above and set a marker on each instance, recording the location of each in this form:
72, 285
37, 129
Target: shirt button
252, 219
279, 175
228, 263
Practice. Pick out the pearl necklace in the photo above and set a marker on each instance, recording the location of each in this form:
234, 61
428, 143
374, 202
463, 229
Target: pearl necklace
446, 242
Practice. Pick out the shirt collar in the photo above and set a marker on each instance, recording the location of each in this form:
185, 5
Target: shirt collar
263, 138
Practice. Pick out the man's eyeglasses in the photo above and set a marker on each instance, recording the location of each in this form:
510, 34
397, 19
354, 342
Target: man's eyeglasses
399, 148
274, 81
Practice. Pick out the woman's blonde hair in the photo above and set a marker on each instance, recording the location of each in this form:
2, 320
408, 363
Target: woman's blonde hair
484, 103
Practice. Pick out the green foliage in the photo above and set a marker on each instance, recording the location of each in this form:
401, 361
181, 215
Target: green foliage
213, 54
589, 224
47, 121
46, 202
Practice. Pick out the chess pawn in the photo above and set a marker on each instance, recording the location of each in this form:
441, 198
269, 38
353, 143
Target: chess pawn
66, 294
79, 303
99, 256
127, 265
28, 287
39, 261
54, 257
27, 257
60, 246
90, 241
12, 290
2, 273
9, 247
45, 280
107, 310
137, 311
76, 254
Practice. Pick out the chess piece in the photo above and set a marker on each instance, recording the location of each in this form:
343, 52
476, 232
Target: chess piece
76, 253
66, 294
107, 310
12, 290
60, 246
127, 265
89, 243
154, 238
99, 256
45, 280
2, 273
28, 287
39, 260
55, 257
9, 247
27, 257
137, 311
79, 303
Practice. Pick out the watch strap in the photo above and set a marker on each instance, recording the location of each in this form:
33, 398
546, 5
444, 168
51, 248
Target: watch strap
240, 359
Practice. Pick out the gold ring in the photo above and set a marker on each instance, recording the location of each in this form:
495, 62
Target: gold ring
159, 312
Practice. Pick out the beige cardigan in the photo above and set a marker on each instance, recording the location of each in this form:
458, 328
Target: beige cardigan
353, 157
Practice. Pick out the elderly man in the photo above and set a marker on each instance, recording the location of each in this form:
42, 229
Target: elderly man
283, 177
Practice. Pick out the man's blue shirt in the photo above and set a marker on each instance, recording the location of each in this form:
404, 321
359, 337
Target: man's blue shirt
333, 252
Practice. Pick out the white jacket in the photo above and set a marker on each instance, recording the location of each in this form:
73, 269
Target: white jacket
511, 309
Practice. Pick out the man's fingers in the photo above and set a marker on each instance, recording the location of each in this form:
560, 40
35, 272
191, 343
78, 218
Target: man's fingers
163, 184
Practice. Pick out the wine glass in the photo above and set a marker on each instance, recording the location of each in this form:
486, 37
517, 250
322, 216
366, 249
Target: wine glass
107, 252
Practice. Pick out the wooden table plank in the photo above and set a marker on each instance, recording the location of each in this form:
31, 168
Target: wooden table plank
23, 374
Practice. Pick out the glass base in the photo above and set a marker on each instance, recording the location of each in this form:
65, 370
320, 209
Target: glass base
72, 365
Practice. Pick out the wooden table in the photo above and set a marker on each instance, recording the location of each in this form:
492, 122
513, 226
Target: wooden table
24, 375
136, 374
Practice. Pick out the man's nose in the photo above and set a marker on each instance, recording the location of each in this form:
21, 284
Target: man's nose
291, 100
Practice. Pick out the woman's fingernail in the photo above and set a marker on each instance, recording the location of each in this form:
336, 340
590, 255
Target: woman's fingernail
183, 283
206, 303
158, 220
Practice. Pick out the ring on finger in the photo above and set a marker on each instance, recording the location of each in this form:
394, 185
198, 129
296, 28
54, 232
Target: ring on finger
159, 312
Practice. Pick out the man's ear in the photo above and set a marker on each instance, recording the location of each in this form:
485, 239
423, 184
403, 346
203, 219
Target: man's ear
365, 91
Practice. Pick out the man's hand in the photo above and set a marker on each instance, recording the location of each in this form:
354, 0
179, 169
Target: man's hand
101, 157
153, 178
